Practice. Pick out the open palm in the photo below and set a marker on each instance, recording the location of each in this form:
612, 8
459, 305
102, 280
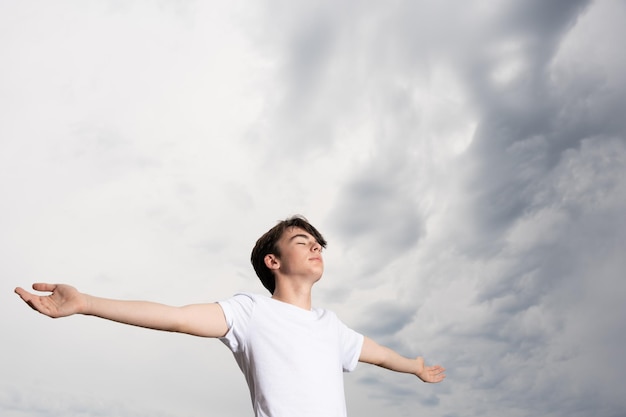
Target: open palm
64, 300
430, 374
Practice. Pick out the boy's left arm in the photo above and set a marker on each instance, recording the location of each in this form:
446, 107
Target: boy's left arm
382, 356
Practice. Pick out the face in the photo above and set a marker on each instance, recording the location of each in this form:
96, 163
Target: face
300, 254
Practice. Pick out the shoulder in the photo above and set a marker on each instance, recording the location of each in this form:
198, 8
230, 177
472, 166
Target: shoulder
243, 297
240, 305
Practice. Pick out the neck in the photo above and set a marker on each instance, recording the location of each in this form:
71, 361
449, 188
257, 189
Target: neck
297, 296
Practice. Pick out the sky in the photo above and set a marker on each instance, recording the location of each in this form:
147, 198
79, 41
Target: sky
466, 162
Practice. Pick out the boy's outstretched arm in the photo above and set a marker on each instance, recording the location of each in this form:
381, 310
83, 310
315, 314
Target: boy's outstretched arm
382, 356
206, 320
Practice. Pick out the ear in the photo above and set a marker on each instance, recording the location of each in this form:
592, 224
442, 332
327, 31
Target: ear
271, 261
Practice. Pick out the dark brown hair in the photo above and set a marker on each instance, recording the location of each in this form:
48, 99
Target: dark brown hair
268, 244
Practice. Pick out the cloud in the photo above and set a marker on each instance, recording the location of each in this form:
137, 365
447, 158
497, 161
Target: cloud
378, 220
385, 318
540, 182
466, 162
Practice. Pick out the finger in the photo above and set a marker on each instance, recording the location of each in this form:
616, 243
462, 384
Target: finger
42, 286
32, 305
38, 304
438, 377
34, 301
25, 295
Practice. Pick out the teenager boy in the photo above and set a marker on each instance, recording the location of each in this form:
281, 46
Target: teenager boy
291, 354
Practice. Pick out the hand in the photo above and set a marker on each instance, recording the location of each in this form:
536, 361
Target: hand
430, 374
63, 300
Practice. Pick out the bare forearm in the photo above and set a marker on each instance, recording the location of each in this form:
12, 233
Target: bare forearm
389, 359
137, 313
373, 353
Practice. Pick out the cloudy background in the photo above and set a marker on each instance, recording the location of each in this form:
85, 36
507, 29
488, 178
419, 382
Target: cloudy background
465, 160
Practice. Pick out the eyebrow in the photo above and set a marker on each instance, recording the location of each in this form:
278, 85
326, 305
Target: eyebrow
299, 235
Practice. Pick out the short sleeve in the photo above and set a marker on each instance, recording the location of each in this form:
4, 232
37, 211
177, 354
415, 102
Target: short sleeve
237, 311
351, 343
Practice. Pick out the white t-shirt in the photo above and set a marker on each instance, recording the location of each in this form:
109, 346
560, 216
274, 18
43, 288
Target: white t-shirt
293, 359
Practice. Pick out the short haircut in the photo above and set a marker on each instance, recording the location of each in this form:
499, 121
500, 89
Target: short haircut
268, 244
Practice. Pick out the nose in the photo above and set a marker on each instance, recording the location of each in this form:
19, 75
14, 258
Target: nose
317, 247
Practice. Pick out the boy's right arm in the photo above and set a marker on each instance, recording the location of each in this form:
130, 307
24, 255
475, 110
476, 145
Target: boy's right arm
206, 320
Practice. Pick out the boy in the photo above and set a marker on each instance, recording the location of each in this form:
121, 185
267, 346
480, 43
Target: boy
291, 354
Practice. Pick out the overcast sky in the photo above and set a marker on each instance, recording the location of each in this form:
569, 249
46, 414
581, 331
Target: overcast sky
465, 160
